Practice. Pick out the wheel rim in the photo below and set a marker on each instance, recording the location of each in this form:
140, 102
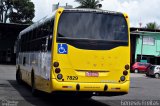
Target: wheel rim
136, 71
157, 75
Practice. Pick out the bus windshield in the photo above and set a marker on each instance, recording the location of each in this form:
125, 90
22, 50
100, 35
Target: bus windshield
93, 26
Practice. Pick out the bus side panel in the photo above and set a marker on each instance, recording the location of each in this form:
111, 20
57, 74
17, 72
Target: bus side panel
39, 63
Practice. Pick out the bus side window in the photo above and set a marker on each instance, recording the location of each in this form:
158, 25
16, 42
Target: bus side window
33, 42
43, 30
34, 33
20, 45
38, 32
49, 42
23, 43
46, 38
43, 44
27, 41
30, 37
50, 33
51, 26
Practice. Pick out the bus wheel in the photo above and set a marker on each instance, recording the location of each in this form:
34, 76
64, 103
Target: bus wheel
157, 76
33, 89
18, 76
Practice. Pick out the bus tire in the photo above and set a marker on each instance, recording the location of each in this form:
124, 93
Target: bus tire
84, 96
19, 76
33, 89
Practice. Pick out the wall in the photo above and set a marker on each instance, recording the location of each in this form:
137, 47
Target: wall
153, 50
8, 36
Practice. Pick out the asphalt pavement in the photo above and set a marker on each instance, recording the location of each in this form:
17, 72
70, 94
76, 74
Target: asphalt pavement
144, 91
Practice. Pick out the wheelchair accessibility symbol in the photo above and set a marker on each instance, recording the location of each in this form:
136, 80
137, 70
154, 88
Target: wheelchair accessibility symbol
62, 49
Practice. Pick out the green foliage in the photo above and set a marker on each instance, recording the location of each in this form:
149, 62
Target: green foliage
152, 25
94, 4
18, 11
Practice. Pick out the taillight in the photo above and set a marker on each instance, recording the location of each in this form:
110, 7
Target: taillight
125, 72
57, 70
126, 67
59, 76
55, 64
122, 78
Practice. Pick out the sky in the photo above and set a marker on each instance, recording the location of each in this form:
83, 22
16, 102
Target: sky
139, 11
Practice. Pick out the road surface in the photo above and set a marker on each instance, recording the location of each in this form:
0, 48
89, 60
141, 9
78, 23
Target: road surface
143, 91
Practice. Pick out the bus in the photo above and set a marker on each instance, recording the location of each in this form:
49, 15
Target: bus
82, 51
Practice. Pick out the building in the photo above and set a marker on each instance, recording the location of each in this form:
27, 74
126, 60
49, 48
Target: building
8, 35
56, 6
147, 45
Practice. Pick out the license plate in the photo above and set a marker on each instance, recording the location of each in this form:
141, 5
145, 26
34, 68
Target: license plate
92, 74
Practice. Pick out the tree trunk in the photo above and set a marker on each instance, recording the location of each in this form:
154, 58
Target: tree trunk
5, 14
1, 11
0, 17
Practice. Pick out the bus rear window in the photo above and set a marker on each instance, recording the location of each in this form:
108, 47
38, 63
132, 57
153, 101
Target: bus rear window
92, 25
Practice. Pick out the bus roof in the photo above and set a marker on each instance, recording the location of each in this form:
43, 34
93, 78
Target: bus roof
38, 23
91, 10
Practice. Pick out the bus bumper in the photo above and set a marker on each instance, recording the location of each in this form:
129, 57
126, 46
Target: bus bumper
90, 87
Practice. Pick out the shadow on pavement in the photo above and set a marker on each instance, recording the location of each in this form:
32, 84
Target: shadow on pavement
44, 99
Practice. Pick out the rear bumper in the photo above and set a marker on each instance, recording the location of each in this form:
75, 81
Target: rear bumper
90, 87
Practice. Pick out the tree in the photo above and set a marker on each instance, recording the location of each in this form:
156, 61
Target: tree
17, 11
95, 4
152, 25
5, 6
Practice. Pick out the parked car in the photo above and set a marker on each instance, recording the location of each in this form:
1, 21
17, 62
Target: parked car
140, 67
153, 70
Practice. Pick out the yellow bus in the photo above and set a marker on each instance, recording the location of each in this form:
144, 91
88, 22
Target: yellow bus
83, 51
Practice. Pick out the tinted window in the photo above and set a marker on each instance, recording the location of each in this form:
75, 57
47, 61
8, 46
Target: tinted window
152, 67
91, 25
39, 38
